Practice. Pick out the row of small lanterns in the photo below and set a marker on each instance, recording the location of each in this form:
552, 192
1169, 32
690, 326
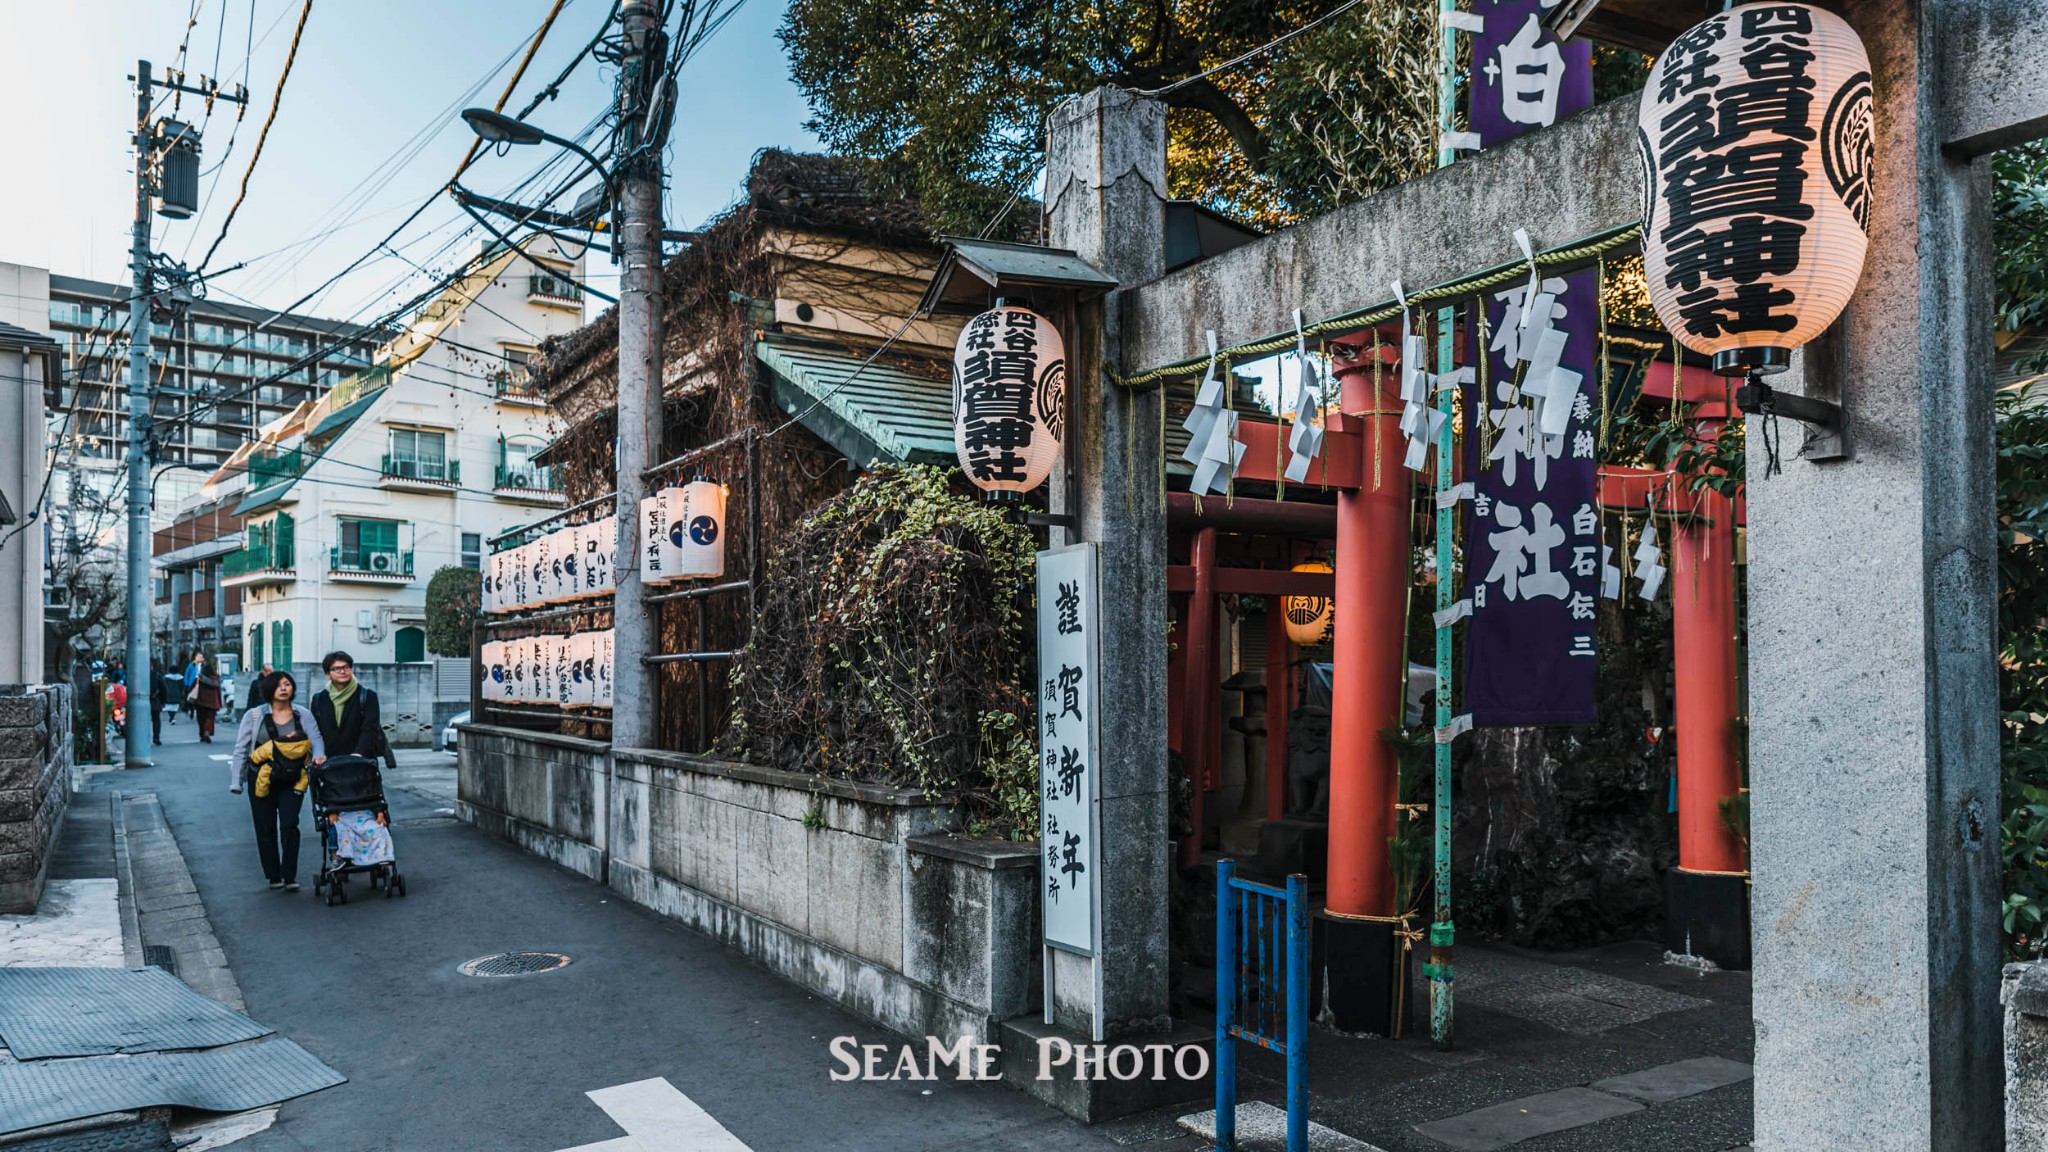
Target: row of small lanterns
682, 530
557, 671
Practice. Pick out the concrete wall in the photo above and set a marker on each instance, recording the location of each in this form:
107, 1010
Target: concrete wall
35, 787
856, 892
2024, 993
412, 708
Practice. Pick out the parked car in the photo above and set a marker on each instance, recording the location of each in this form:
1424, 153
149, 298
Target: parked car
445, 738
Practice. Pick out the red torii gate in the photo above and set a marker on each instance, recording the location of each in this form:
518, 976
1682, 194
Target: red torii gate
1371, 525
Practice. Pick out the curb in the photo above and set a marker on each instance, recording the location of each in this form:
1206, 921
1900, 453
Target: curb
168, 917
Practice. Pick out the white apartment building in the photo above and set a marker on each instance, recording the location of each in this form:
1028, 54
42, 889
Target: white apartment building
349, 504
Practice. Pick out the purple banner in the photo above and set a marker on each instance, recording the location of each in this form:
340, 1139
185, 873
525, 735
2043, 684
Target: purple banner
1532, 539
1522, 78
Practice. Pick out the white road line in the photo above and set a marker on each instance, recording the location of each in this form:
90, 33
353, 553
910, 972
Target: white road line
218, 756
658, 1118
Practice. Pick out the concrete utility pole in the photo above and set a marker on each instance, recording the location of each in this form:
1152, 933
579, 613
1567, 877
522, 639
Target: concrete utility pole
639, 175
140, 690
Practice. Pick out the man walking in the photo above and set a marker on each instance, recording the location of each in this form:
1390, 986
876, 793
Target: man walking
256, 688
347, 713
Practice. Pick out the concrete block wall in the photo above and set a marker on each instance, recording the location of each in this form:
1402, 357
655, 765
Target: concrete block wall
860, 893
35, 787
2024, 993
406, 698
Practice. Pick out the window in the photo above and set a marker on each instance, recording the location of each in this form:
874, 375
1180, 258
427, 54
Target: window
409, 645
473, 551
516, 468
281, 644
418, 455
254, 657
371, 546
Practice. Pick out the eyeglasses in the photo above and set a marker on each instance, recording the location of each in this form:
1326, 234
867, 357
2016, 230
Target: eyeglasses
341, 667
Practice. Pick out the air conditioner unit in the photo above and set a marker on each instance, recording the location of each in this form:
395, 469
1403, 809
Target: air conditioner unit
381, 561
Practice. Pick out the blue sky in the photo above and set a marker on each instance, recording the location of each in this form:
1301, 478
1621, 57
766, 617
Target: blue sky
370, 75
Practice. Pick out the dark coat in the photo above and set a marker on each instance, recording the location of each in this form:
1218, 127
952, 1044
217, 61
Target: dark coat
209, 692
358, 731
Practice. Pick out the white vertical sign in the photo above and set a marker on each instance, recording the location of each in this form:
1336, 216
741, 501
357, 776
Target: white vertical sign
1069, 748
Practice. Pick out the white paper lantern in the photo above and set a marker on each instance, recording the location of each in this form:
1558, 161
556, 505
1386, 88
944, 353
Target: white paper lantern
658, 556
1756, 132
1009, 399
601, 688
490, 666
582, 649
696, 529
563, 563
1309, 619
598, 537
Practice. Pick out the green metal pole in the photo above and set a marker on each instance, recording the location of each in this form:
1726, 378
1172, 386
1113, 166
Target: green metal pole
1440, 933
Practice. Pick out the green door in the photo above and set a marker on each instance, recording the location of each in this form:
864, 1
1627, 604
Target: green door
410, 645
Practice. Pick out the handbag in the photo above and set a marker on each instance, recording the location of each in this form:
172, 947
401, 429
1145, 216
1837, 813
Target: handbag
192, 697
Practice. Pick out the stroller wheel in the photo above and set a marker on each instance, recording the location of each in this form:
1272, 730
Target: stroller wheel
399, 882
332, 892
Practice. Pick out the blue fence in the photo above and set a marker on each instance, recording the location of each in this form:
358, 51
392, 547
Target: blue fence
1261, 991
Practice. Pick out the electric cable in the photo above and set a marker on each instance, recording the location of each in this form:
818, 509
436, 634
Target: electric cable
1234, 61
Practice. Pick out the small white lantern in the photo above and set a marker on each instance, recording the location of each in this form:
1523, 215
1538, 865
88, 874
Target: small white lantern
598, 536
489, 661
1309, 619
1009, 399
696, 528
518, 658
658, 557
601, 689
582, 656
562, 563
1756, 133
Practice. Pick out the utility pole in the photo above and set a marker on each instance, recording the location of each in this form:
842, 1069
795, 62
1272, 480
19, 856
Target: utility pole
141, 688
639, 175
141, 691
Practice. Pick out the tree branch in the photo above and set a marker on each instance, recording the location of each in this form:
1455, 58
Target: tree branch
1244, 131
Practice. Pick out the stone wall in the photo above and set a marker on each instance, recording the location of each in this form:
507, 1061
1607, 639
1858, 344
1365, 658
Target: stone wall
859, 893
2024, 993
35, 787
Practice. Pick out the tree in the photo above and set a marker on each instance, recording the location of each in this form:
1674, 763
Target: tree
454, 606
952, 98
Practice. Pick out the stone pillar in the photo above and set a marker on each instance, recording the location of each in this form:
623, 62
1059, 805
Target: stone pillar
1873, 691
1105, 189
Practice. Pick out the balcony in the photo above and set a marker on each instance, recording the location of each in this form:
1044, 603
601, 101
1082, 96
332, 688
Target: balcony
371, 565
269, 468
527, 485
516, 386
260, 562
421, 475
559, 290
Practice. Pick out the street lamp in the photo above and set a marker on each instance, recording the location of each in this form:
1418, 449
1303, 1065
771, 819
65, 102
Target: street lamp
498, 128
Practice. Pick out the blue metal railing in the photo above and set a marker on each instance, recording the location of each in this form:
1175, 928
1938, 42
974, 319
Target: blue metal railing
1261, 991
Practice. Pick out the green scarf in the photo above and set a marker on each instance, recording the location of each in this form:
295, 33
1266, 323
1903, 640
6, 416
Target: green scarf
342, 695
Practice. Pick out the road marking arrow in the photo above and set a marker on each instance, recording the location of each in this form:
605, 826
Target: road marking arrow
658, 1118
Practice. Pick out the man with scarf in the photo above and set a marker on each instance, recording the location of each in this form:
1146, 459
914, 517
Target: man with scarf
350, 724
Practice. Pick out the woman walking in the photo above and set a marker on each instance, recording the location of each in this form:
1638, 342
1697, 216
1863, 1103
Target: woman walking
206, 698
275, 748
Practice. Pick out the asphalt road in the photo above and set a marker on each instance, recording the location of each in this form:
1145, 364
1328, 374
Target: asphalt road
441, 1061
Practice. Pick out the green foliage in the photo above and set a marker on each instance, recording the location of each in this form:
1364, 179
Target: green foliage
2019, 226
2023, 659
953, 97
454, 606
890, 645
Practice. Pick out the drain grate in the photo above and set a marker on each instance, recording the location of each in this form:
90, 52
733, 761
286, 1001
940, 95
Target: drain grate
161, 956
515, 964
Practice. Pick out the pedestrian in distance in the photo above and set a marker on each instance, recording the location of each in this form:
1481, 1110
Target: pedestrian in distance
347, 713
206, 698
276, 748
156, 714
191, 682
256, 688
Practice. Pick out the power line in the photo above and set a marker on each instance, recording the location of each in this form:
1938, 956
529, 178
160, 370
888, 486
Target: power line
276, 97
1234, 61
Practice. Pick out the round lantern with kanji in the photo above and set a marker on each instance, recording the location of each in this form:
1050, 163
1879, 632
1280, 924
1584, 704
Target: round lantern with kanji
1309, 619
1756, 134
1009, 399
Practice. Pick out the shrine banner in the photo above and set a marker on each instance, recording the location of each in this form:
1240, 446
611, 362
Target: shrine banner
1069, 732
1532, 529
1522, 78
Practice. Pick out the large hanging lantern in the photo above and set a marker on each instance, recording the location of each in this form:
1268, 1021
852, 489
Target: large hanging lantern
1309, 619
1756, 137
492, 657
1009, 399
696, 528
658, 555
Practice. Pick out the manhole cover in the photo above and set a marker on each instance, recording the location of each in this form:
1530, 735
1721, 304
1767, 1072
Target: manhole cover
514, 964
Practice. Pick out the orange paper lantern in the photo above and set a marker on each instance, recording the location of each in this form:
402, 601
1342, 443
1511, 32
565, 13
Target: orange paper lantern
1309, 618
1756, 136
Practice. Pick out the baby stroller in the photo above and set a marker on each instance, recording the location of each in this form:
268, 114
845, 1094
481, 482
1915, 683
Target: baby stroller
345, 787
